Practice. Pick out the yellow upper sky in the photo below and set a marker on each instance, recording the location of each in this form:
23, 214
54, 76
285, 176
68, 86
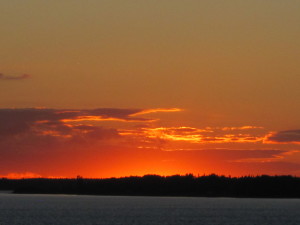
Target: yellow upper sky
238, 60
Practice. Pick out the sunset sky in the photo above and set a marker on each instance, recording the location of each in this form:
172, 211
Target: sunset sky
111, 88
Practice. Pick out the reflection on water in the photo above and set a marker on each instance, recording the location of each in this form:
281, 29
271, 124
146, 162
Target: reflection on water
111, 210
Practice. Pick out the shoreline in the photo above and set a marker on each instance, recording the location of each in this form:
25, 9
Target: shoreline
154, 185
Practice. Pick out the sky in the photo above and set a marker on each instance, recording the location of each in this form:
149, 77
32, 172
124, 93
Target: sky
113, 88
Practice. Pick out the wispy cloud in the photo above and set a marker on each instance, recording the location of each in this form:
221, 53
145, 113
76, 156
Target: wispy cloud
195, 135
155, 110
241, 128
14, 77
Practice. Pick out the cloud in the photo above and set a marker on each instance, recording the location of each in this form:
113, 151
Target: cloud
54, 121
63, 124
241, 128
288, 136
219, 135
147, 111
14, 77
70, 123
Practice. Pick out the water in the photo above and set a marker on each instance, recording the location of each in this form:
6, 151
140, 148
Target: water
113, 210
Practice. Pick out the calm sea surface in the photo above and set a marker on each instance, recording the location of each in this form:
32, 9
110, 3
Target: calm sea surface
111, 210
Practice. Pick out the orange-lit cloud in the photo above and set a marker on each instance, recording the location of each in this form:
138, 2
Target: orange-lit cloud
99, 118
147, 111
241, 128
107, 114
196, 135
14, 121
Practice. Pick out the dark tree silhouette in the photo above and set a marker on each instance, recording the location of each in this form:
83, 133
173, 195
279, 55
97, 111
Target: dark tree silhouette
155, 185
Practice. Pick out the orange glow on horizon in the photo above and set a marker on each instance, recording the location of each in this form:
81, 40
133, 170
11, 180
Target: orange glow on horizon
65, 148
21, 175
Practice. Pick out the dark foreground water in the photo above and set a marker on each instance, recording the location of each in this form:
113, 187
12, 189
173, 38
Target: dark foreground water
111, 210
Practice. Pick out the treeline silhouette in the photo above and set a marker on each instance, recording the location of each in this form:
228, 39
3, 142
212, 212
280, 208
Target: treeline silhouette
153, 185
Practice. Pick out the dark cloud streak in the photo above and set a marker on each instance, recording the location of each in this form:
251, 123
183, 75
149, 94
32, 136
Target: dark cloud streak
288, 136
17, 121
14, 77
